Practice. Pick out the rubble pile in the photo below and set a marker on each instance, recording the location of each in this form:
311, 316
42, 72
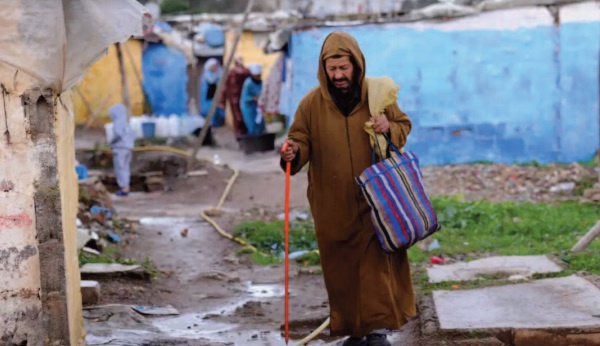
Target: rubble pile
497, 183
97, 225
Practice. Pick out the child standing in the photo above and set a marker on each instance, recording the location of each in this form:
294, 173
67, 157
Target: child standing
122, 145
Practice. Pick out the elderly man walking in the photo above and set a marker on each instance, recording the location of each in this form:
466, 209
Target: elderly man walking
370, 291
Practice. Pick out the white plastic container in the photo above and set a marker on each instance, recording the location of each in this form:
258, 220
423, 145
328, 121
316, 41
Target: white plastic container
189, 123
162, 127
108, 129
136, 126
174, 126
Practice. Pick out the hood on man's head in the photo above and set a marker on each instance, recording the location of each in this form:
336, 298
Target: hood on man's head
339, 43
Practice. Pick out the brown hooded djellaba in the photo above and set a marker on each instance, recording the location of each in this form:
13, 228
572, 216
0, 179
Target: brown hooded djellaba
368, 289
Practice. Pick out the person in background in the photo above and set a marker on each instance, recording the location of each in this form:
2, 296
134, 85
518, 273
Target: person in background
249, 101
122, 144
208, 89
232, 93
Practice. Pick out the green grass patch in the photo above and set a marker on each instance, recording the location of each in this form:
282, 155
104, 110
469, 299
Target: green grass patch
268, 237
470, 229
511, 228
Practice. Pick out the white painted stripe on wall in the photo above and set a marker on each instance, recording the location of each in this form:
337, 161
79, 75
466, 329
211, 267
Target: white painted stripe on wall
579, 13
511, 19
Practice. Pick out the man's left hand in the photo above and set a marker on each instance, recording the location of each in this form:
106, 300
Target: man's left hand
381, 124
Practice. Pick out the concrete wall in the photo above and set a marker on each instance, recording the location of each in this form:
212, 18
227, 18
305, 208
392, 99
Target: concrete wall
39, 275
502, 86
21, 312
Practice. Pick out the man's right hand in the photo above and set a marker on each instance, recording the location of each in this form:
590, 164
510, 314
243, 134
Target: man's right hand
290, 153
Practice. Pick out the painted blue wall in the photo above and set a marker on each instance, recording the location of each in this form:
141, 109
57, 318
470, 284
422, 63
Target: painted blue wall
482, 95
165, 79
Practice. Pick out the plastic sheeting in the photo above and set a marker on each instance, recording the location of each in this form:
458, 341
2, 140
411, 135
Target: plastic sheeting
165, 79
56, 41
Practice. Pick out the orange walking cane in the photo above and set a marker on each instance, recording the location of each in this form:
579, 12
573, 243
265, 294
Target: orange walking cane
288, 173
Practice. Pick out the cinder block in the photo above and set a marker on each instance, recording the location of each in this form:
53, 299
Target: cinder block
90, 292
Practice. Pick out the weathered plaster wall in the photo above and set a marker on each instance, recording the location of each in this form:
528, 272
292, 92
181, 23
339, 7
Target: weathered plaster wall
20, 286
39, 275
504, 86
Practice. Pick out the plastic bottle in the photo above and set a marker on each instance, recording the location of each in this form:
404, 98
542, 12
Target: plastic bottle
174, 126
108, 129
162, 127
136, 126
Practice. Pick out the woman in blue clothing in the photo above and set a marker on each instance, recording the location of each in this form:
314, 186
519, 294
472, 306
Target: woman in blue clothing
249, 101
208, 89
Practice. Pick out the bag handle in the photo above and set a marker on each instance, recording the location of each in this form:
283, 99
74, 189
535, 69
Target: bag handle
390, 145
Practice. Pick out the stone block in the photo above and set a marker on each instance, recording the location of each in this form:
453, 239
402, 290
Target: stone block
90, 292
504, 265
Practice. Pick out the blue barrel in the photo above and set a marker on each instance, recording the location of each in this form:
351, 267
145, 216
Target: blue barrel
149, 130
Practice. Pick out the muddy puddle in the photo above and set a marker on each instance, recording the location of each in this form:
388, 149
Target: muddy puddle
221, 300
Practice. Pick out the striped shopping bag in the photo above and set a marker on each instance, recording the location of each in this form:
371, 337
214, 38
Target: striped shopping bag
401, 211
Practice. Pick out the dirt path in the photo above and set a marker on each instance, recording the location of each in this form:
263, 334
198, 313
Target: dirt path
222, 297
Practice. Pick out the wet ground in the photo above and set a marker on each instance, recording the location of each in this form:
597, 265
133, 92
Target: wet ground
223, 298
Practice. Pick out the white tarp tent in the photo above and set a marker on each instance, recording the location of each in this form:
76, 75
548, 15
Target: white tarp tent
56, 41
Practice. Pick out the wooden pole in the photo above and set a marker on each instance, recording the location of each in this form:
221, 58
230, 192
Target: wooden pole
217, 97
587, 239
124, 88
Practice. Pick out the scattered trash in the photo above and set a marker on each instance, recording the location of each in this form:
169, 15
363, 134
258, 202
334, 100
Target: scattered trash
114, 237
107, 268
156, 310
298, 254
295, 215
437, 260
563, 187
92, 251
98, 210
83, 237
435, 245
82, 172
217, 160
185, 233
198, 173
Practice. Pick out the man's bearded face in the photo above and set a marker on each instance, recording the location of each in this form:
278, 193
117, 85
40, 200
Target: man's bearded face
340, 71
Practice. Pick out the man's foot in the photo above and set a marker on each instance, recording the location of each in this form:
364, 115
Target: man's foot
122, 193
377, 340
354, 341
